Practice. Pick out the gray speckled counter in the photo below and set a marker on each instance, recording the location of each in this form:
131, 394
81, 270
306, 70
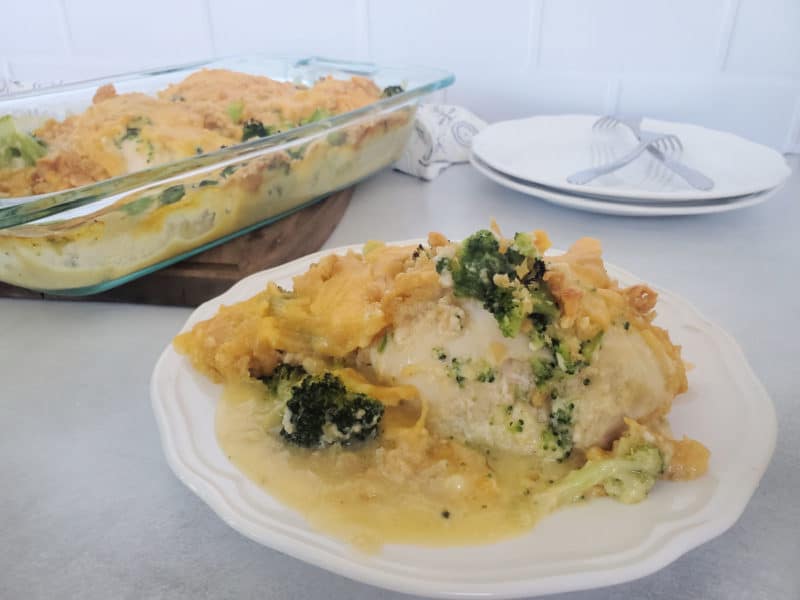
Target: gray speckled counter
89, 508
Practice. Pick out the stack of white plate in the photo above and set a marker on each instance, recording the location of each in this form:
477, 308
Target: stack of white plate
536, 155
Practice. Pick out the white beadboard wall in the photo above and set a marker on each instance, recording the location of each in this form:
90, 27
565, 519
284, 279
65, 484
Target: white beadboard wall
730, 64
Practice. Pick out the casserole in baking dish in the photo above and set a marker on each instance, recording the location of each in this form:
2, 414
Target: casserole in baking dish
126, 175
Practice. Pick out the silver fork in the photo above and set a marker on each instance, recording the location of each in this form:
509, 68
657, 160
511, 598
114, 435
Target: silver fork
663, 142
694, 178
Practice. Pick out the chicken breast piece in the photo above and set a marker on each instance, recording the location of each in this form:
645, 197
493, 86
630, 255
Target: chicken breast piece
480, 388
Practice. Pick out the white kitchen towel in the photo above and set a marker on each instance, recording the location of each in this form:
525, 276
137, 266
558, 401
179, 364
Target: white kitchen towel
442, 136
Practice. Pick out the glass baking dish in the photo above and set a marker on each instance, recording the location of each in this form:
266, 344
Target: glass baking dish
92, 238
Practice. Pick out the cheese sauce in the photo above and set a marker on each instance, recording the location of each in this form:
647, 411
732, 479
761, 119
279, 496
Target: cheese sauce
405, 487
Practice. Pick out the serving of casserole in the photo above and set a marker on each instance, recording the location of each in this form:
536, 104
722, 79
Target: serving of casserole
447, 393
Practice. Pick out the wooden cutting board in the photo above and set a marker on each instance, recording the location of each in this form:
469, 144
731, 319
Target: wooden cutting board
208, 274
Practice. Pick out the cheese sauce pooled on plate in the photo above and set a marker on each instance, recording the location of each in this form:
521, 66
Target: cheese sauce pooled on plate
405, 487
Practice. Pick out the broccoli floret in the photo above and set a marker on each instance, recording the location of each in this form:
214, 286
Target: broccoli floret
555, 442
629, 479
18, 149
478, 260
487, 375
298, 152
627, 474
132, 130
337, 138
567, 362
139, 205
253, 128
561, 424
506, 308
228, 171
522, 247
542, 369
235, 109
548, 445
545, 308
559, 361
172, 194
537, 272
131, 133
392, 90
318, 115
475, 268
455, 370
279, 384
517, 426
281, 381
320, 411
540, 321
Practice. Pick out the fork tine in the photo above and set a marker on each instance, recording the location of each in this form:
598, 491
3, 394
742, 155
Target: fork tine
605, 122
664, 144
611, 122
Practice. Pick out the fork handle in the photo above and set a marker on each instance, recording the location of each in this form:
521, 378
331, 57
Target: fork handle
587, 175
694, 178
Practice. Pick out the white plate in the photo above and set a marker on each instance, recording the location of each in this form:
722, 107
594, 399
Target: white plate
597, 544
545, 150
628, 208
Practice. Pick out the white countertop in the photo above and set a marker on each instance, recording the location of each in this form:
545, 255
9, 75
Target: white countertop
90, 509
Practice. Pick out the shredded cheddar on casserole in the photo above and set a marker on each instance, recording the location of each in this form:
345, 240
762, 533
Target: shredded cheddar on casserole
209, 110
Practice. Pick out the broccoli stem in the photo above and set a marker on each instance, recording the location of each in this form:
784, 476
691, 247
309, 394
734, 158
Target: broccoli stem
577, 483
626, 478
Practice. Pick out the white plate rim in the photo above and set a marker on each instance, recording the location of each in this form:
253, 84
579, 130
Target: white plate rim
677, 543
621, 192
626, 209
